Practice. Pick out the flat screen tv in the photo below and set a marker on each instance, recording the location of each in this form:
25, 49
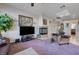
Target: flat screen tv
26, 30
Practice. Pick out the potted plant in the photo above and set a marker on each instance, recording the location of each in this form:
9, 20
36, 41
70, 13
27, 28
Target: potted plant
6, 23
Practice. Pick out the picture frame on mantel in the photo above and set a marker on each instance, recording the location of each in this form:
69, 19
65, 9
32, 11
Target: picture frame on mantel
25, 20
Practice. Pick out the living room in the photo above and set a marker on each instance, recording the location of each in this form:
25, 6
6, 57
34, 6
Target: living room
37, 21
43, 25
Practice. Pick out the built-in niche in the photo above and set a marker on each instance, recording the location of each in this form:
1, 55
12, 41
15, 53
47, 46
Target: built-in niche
43, 31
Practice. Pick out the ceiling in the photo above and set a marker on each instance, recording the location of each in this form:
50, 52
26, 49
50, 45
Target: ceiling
52, 10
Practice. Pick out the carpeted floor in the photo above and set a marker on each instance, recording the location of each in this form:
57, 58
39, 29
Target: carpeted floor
46, 48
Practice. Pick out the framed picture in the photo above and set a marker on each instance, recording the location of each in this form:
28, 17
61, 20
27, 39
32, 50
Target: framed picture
44, 21
25, 20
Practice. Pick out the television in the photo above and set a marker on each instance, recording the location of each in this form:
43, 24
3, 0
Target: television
26, 30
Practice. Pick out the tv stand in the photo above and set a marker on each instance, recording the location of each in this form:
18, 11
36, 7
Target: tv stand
27, 38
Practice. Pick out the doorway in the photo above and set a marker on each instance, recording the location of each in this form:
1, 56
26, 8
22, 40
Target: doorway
73, 29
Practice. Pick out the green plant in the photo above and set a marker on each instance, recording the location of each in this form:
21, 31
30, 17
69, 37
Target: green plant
6, 22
